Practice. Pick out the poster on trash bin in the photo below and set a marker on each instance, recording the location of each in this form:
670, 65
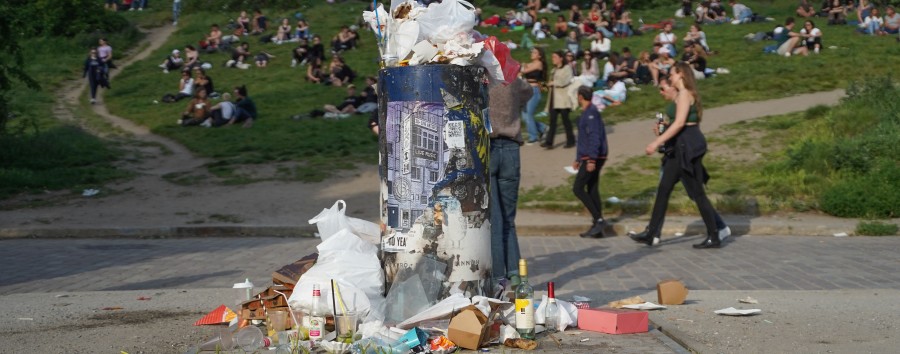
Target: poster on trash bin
434, 172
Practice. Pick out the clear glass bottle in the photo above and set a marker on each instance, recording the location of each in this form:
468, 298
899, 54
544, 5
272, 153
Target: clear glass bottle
316, 316
551, 312
524, 304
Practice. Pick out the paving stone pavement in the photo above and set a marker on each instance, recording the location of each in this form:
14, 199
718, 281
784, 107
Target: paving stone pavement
603, 269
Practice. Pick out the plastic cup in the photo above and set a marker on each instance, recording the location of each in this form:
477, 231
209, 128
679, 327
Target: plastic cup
250, 339
345, 326
243, 291
277, 321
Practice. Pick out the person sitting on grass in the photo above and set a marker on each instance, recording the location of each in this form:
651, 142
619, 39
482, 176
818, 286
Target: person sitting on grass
347, 107
695, 56
244, 22
837, 13
240, 53
245, 109
742, 13
299, 54
185, 88
661, 65
172, 62
788, 41
212, 40
201, 79
696, 35
191, 57
341, 74
623, 26
314, 72
805, 9
613, 96
284, 32
872, 24
302, 30
197, 110
891, 21
667, 39
812, 36
342, 40
258, 25
560, 27
223, 113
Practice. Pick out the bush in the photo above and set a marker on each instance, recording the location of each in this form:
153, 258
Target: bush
875, 228
64, 17
873, 194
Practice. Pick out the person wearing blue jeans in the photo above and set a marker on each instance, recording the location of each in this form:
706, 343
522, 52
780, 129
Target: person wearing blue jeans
506, 103
138, 4
535, 73
176, 10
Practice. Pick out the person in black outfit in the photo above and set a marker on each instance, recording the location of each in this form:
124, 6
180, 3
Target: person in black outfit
93, 71
316, 50
684, 146
589, 159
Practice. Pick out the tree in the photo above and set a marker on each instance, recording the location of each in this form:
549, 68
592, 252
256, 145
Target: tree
11, 63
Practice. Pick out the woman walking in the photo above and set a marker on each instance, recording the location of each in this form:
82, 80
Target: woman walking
93, 71
535, 73
684, 147
560, 104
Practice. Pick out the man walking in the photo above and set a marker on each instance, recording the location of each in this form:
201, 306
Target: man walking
506, 105
589, 159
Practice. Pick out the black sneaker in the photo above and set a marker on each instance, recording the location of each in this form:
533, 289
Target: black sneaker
596, 231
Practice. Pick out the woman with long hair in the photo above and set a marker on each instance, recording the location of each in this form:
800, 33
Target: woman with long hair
535, 73
684, 148
559, 104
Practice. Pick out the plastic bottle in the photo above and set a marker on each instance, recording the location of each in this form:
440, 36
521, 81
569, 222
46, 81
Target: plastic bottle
551, 312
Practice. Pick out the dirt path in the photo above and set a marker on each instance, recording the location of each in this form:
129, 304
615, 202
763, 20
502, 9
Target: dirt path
626, 140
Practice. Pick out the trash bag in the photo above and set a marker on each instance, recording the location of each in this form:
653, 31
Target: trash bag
332, 220
350, 261
444, 20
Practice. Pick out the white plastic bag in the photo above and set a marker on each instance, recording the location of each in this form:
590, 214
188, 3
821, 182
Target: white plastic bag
445, 19
568, 313
330, 221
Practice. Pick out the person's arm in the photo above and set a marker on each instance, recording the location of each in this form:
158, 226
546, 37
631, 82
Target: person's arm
87, 67
682, 108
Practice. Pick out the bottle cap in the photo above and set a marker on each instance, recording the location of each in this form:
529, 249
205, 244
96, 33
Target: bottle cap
523, 267
551, 293
245, 285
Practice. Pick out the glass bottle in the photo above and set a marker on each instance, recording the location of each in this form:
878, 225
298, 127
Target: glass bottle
316, 316
551, 312
524, 304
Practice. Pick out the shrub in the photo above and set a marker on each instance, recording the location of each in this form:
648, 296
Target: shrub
873, 194
876, 228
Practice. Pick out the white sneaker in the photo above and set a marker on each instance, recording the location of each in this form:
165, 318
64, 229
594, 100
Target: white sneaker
787, 54
343, 115
93, 101
724, 233
180, 121
162, 66
330, 115
816, 50
629, 81
293, 63
206, 123
165, 71
140, 9
244, 66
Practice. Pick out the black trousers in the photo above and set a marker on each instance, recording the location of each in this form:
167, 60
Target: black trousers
570, 135
672, 173
587, 189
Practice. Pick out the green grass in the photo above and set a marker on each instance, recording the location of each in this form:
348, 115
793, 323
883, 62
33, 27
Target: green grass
875, 228
40, 152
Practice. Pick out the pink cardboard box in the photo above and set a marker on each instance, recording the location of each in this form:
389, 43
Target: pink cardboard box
613, 321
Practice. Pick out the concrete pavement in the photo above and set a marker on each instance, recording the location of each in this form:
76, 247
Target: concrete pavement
819, 293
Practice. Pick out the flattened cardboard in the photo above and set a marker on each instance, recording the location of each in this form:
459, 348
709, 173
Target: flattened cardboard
221, 315
671, 292
613, 321
289, 274
469, 328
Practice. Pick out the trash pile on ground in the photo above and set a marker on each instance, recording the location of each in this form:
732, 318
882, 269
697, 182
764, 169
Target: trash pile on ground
441, 33
334, 301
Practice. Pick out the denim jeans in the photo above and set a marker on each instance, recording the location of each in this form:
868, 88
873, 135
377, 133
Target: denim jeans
534, 127
176, 10
623, 30
505, 174
606, 33
138, 4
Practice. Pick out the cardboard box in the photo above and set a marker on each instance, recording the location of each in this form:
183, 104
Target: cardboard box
289, 274
671, 292
613, 321
469, 328
258, 314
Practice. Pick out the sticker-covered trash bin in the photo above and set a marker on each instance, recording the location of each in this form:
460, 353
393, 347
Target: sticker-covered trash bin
434, 149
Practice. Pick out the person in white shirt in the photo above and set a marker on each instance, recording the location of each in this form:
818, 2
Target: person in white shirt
613, 96
742, 13
667, 39
538, 30
600, 46
873, 24
812, 36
